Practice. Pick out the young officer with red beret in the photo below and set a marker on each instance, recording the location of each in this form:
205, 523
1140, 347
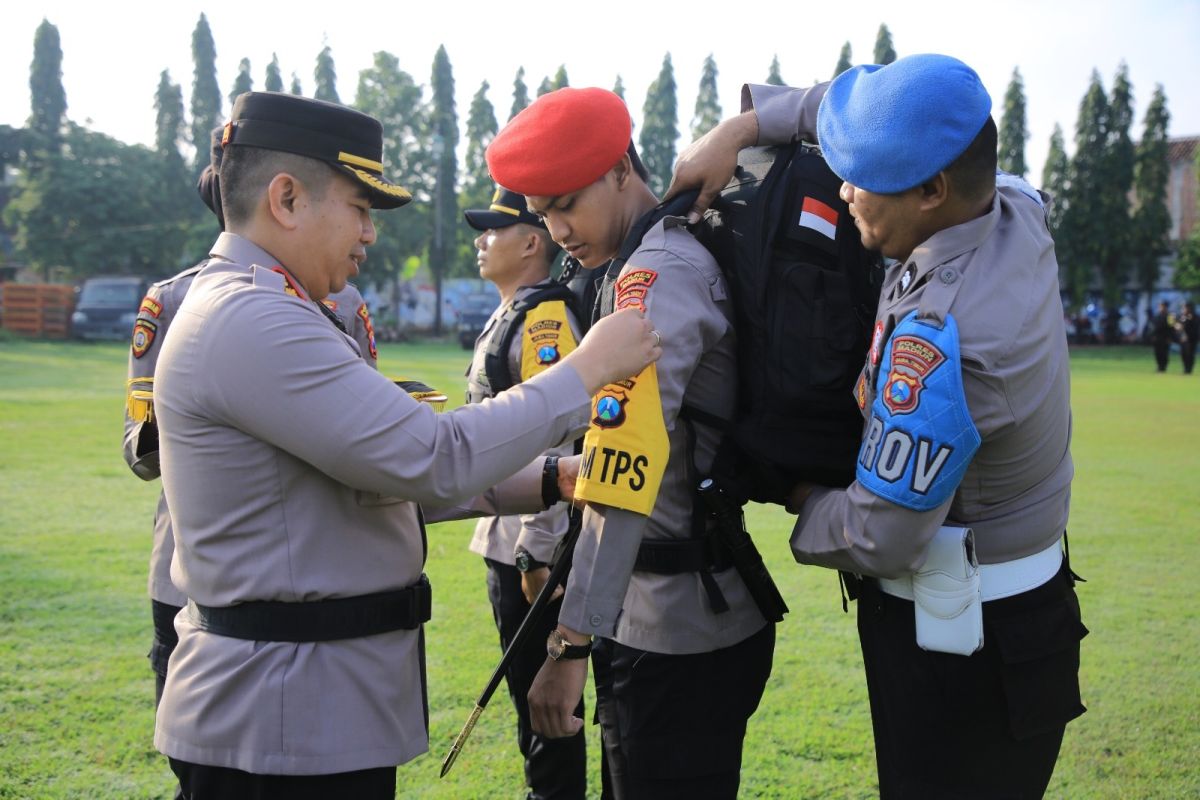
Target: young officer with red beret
972, 669
681, 652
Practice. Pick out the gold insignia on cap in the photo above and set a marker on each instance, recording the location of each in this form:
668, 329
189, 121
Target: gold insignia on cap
504, 209
387, 188
359, 161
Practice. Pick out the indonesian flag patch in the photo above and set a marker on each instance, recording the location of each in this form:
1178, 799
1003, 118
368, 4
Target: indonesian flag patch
819, 217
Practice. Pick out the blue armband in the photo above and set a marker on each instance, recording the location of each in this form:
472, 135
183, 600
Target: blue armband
920, 437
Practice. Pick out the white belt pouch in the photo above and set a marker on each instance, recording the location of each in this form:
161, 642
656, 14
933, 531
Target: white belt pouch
946, 593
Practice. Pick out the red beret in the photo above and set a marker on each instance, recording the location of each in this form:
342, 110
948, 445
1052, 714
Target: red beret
561, 143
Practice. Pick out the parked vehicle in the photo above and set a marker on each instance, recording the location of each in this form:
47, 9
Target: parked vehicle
107, 307
473, 314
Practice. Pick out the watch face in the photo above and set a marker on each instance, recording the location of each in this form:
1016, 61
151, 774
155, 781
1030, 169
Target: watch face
555, 645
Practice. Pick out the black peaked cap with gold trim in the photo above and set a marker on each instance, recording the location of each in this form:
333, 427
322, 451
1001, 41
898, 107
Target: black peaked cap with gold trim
507, 208
340, 136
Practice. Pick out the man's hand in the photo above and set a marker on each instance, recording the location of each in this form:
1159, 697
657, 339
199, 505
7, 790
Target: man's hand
568, 473
709, 162
555, 693
617, 347
533, 581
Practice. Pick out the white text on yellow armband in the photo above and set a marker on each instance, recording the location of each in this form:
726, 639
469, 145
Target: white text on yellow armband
625, 450
546, 337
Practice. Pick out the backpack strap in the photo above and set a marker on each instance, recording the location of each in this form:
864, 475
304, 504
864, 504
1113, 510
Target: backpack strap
675, 207
495, 358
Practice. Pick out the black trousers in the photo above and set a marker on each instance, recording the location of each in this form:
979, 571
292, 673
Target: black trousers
202, 782
985, 726
1162, 353
554, 768
673, 725
163, 645
1187, 353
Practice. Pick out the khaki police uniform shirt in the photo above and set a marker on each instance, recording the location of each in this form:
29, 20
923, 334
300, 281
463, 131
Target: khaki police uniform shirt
497, 537
141, 434
293, 471
155, 314
1016, 490
689, 305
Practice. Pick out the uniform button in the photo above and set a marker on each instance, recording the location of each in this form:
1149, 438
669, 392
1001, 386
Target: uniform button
948, 276
596, 620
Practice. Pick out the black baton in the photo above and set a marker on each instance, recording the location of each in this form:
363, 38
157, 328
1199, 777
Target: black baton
557, 574
746, 558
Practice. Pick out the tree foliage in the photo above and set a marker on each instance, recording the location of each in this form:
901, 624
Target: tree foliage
619, 87
206, 94
92, 210
660, 121
177, 208
545, 87
445, 140
561, 81
47, 96
392, 96
520, 94
773, 76
296, 88
274, 81
478, 186
1055, 175
1150, 235
1013, 133
243, 82
708, 106
1080, 233
1115, 189
884, 52
326, 77
844, 61
1187, 263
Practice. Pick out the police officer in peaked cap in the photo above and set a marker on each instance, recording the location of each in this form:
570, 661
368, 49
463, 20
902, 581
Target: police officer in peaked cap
293, 472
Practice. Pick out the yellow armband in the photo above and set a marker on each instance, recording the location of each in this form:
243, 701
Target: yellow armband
625, 449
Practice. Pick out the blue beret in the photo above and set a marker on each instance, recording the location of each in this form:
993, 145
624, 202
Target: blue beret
889, 128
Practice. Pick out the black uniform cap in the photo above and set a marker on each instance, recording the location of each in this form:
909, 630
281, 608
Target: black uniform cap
507, 208
340, 136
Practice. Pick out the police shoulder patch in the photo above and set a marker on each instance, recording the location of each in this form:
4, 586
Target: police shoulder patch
919, 437
633, 286
144, 331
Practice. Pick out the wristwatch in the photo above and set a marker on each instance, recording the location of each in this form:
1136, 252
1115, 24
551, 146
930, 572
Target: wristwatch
525, 562
559, 649
550, 491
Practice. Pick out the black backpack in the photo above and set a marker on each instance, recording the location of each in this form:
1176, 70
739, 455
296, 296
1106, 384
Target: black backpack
804, 293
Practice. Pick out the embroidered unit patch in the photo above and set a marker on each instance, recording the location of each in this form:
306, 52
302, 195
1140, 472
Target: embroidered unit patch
919, 437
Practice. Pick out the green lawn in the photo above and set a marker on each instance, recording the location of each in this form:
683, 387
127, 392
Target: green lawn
76, 694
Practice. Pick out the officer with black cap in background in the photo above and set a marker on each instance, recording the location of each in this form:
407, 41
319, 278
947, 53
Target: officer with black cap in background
532, 329
293, 473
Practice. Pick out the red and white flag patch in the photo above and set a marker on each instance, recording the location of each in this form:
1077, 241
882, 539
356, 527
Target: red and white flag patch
819, 217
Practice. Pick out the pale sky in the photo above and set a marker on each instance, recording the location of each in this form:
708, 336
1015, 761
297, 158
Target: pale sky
114, 52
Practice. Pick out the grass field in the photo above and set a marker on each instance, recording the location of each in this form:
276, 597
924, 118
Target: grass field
76, 693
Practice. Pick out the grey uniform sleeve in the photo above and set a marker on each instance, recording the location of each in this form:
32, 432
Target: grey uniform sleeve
680, 303
785, 114
541, 532
306, 392
140, 445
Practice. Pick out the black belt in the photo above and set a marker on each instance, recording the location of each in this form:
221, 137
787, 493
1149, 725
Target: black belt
675, 556
320, 620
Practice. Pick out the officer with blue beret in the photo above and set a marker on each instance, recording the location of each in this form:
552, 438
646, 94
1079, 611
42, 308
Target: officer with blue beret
954, 531
293, 472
